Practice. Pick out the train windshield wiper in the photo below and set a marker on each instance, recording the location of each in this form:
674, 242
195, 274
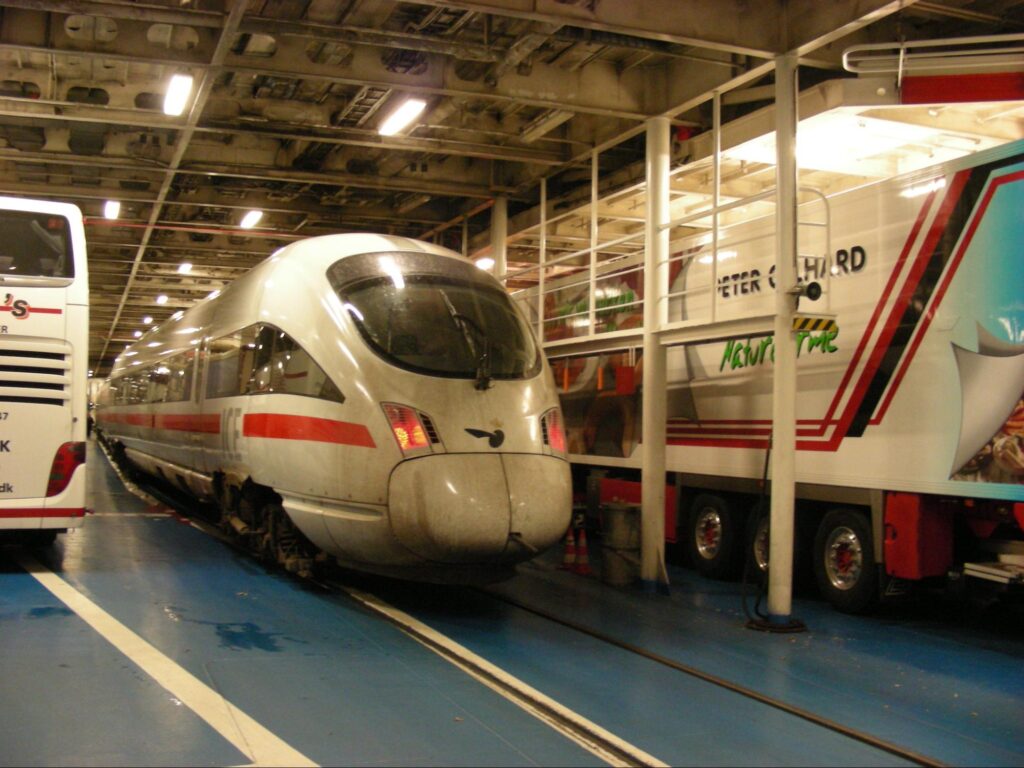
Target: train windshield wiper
476, 339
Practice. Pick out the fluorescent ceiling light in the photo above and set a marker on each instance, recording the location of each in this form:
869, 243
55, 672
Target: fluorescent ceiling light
161, 299
147, 320
485, 263
251, 219
137, 334
111, 209
406, 112
178, 91
184, 268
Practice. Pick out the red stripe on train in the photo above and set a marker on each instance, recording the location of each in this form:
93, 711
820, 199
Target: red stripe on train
284, 426
208, 423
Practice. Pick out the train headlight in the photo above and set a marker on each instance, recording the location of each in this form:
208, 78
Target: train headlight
407, 427
552, 431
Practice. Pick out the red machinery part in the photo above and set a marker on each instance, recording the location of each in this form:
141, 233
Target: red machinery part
918, 536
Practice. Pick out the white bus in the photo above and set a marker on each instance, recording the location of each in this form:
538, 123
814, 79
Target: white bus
44, 346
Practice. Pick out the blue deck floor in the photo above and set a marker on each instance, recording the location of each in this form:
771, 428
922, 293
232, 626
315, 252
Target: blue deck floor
948, 688
343, 687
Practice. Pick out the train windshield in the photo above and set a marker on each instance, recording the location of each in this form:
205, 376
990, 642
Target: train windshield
436, 316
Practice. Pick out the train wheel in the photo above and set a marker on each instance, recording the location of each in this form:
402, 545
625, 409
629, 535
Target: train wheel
713, 536
267, 544
41, 539
284, 542
844, 561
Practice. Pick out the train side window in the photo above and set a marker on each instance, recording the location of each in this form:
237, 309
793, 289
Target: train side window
134, 389
140, 388
260, 375
158, 379
106, 395
294, 372
222, 375
179, 377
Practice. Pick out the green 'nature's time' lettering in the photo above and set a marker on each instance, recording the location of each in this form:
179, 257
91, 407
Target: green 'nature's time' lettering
744, 354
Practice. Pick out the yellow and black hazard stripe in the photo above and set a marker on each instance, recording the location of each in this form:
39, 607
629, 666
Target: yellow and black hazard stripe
803, 323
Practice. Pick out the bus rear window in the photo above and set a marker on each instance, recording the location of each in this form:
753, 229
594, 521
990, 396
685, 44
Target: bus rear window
35, 245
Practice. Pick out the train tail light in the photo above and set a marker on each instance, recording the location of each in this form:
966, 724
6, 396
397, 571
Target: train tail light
552, 431
67, 459
407, 427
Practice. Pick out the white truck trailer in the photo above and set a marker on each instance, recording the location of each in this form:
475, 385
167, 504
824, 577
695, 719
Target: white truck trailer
910, 391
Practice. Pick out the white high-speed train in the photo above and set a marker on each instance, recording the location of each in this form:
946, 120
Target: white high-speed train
379, 394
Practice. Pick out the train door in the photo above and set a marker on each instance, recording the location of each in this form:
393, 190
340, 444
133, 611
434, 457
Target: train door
222, 400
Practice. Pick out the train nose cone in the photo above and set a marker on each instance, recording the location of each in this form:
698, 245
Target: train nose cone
460, 508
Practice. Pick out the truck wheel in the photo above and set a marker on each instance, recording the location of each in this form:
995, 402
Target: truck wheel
844, 561
757, 547
713, 536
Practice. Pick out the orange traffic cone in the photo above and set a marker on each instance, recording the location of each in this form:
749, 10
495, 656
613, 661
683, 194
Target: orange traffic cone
582, 555
569, 556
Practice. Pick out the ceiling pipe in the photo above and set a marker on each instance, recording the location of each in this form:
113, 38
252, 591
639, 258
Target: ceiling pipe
92, 221
461, 217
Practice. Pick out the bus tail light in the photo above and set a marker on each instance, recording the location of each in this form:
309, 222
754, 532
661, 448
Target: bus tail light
407, 427
67, 459
553, 433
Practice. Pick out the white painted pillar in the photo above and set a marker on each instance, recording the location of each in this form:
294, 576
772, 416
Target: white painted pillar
499, 236
592, 292
542, 257
652, 528
780, 579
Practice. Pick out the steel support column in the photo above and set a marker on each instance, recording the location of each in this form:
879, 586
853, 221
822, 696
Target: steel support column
652, 529
542, 257
780, 555
499, 236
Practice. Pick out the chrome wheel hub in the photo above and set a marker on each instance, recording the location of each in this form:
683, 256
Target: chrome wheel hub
708, 533
761, 545
844, 558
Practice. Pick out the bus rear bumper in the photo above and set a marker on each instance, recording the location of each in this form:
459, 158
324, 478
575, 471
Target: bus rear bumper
65, 510
29, 518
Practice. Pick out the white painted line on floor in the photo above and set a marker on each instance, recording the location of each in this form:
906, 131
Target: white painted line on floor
250, 738
567, 722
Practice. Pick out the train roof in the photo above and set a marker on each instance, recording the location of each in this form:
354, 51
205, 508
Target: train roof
312, 255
